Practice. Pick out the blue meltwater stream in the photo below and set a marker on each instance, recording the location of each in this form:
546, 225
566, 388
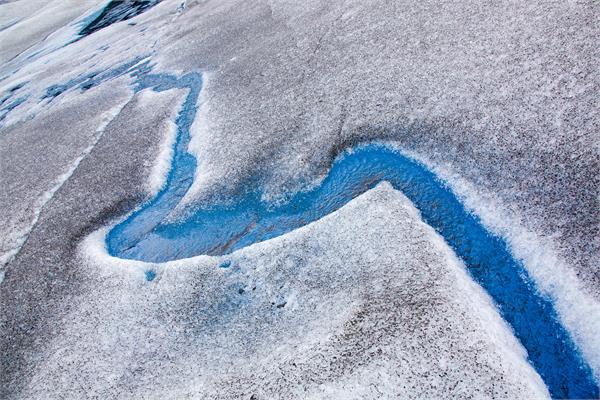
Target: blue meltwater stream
220, 229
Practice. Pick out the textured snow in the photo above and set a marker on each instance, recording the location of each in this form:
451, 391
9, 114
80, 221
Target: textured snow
26, 187
27, 23
575, 306
291, 318
159, 170
499, 99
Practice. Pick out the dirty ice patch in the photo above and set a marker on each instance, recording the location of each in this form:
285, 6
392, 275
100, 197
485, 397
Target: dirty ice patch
15, 243
46, 29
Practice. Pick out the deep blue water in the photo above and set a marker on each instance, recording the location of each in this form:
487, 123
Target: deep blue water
221, 229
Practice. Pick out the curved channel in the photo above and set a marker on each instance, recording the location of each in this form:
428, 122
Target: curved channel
144, 235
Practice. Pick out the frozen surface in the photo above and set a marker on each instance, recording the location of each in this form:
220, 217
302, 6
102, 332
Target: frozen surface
290, 318
504, 93
24, 24
58, 139
115, 11
500, 99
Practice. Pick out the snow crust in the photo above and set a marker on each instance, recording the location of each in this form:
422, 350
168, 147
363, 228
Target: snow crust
15, 232
578, 309
497, 99
274, 323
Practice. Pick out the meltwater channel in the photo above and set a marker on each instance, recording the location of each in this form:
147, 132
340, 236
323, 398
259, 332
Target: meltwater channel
145, 235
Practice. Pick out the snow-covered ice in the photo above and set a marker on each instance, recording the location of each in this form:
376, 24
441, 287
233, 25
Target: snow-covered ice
500, 100
290, 318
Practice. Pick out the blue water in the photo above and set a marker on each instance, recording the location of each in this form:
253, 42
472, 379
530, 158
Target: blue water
87, 81
150, 275
221, 229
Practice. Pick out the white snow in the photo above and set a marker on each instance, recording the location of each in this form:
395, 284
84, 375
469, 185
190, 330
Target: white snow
162, 164
50, 23
376, 304
578, 310
384, 295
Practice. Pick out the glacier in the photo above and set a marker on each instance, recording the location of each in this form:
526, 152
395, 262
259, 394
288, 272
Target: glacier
266, 104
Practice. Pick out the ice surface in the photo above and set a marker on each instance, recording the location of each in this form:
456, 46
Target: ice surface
58, 141
30, 22
502, 97
502, 93
310, 313
552, 274
162, 165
